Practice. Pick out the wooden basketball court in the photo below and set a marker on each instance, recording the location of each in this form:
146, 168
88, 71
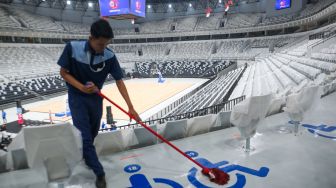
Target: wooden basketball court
144, 93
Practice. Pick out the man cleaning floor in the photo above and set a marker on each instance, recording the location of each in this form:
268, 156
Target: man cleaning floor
84, 66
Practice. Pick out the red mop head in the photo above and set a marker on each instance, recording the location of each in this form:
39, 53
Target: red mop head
216, 175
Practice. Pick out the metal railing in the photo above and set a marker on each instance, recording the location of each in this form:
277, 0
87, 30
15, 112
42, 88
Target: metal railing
228, 94
222, 107
326, 35
329, 91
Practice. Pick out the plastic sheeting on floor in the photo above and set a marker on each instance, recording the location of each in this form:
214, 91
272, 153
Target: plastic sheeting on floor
279, 160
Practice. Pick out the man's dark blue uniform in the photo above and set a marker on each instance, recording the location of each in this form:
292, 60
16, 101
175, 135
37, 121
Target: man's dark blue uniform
85, 65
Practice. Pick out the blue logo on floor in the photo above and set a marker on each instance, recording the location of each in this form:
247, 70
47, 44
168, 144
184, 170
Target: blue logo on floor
324, 131
138, 180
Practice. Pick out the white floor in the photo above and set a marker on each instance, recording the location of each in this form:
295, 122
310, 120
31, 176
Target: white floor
278, 160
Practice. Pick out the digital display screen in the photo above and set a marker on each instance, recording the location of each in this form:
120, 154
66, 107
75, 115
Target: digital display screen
114, 7
282, 4
122, 7
138, 7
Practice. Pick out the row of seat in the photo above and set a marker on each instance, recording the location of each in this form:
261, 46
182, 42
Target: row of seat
182, 68
322, 65
209, 95
327, 53
282, 74
22, 62
44, 86
10, 92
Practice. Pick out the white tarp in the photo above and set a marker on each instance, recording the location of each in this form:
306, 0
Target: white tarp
47, 141
109, 142
276, 104
246, 114
17, 143
200, 125
143, 137
3, 157
223, 119
27, 178
114, 141
298, 103
175, 129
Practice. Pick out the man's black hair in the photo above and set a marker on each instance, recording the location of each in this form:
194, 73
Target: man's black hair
101, 28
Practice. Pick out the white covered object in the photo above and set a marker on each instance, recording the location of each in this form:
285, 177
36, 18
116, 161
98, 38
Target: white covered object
109, 142
17, 143
144, 137
27, 178
201, 124
175, 129
57, 168
115, 141
222, 122
275, 105
298, 103
43, 142
245, 115
3, 157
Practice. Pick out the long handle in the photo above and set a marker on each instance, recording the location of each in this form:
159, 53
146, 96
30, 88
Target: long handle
153, 132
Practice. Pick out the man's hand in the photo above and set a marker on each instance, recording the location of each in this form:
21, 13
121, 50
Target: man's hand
89, 88
134, 114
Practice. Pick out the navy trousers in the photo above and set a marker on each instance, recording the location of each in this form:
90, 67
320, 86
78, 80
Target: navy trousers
86, 112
